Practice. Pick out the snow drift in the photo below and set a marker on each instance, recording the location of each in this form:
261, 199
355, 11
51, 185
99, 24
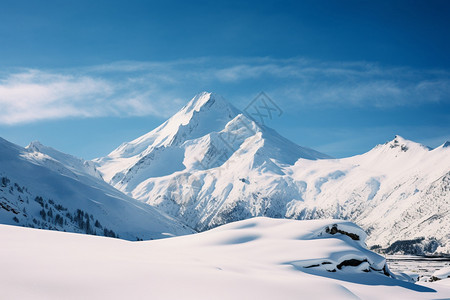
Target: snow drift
258, 258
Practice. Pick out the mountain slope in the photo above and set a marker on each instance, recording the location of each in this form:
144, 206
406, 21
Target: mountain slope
43, 188
235, 169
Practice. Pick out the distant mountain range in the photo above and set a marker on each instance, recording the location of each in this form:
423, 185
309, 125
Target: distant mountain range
212, 164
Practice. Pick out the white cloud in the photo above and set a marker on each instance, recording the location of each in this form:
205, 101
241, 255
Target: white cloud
156, 88
35, 95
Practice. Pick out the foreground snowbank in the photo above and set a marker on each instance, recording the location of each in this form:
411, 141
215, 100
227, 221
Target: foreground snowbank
443, 273
258, 258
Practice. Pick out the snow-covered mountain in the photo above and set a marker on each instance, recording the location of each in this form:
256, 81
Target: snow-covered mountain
43, 188
399, 192
211, 164
204, 134
260, 258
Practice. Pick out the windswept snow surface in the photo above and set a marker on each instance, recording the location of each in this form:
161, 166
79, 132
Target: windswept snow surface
210, 164
43, 188
259, 258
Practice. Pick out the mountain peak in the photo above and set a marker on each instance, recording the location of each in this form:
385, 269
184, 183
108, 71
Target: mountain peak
203, 100
204, 113
399, 138
72, 163
404, 145
35, 145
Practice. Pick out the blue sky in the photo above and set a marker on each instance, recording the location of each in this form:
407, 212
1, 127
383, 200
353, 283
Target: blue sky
85, 76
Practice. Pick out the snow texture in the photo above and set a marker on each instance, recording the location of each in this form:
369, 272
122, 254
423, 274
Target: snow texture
259, 258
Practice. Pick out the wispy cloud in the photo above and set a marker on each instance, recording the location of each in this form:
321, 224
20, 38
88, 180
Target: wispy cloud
33, 95
158, 88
